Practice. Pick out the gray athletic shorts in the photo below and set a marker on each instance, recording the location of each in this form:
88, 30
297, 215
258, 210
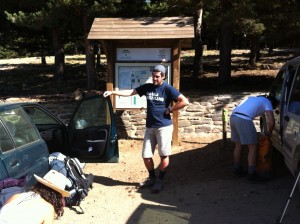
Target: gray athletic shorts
162, 137
243, 130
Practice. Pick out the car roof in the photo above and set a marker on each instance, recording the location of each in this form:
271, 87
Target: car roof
10, 105
293, 61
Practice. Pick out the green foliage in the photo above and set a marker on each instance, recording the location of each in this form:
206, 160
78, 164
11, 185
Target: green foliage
260, 18
131, 8
173, 7
7, 53
74, 47
30, 20
250, 27
158, 8
19, 43
263, 18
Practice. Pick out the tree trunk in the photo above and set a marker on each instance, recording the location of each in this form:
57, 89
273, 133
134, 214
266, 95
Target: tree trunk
90, 65
271, 47
225, 54
90, 57
98, 59
198, 45
254, 51
59, 56
43, 58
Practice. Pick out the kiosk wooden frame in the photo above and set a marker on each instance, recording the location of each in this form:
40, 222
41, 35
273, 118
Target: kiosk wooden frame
146, 32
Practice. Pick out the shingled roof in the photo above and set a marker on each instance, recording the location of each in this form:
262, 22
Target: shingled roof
142, 28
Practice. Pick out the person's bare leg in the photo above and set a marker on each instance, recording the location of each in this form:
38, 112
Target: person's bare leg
164, 163
252, 155
237, 157
149, 164
237, 154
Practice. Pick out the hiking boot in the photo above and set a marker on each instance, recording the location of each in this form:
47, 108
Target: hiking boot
149, 182
157, 186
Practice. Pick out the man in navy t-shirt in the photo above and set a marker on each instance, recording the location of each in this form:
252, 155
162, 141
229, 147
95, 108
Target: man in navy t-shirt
159, 126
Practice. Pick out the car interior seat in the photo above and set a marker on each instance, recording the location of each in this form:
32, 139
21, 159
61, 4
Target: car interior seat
19, 141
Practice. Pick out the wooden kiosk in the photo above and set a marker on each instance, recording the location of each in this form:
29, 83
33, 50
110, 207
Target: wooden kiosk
133, 46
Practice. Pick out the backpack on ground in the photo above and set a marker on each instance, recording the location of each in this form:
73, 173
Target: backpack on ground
79, 184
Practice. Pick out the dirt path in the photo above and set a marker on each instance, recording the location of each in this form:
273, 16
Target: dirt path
199, 188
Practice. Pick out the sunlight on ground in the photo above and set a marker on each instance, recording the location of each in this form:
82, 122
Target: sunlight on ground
80, 59
73, 59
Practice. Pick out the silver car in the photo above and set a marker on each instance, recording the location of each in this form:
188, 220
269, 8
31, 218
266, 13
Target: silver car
286, 134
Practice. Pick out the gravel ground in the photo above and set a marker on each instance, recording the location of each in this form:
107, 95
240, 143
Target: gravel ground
199, 188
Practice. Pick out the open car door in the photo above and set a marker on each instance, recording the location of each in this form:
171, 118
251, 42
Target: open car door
92, 131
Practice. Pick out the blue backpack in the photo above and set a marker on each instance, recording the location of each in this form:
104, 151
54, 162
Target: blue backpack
79, 183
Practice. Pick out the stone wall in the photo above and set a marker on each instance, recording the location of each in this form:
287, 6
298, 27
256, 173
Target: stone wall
203, 116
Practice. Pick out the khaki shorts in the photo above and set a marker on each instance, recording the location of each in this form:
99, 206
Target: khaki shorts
162, 137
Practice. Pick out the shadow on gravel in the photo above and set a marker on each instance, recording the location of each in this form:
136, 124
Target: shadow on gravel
200, 188
110, 182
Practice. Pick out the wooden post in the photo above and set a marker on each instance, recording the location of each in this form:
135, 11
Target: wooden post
224, 121
176, 83
110, 52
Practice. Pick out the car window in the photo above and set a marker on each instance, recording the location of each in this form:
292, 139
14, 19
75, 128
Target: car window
39, 116
277, 86
290, 79
20, 128
294, 102
6, 143
92, 112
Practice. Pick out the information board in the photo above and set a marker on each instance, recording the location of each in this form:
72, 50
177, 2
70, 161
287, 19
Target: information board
130, 76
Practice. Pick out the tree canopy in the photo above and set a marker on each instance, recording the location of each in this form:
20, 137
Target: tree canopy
53, 27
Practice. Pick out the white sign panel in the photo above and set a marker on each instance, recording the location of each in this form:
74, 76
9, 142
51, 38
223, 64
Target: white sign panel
144, 54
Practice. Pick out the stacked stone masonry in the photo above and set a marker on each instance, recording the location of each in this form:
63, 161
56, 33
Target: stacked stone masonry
203, 116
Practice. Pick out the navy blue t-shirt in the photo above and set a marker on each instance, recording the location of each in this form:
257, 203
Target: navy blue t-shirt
158, 99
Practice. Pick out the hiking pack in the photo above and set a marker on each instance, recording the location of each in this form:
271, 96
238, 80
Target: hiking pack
78, 183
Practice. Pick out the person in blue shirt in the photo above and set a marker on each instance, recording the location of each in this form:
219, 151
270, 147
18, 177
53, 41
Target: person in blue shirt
243, 131
159, 126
